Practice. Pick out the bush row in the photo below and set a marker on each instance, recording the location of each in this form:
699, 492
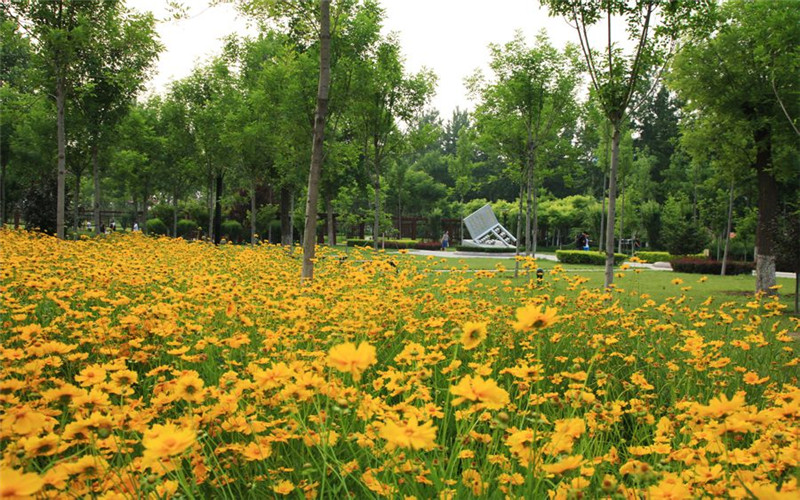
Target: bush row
664, 256
497, 249
587, 257
708, 266
396, 244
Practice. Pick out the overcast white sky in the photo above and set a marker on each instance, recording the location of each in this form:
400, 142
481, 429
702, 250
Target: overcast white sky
448, 36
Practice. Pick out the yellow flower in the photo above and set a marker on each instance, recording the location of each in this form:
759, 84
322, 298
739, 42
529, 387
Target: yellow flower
347, 358
474, 333
484, 393
472, 480
17, 484
677, 281
283, 487
190, 387
567, 464
163, 441
91, 375
409, 434
532, 316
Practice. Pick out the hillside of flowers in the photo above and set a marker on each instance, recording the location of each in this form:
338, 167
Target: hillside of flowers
135, 367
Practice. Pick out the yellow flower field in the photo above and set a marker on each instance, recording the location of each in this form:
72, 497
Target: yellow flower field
158, 368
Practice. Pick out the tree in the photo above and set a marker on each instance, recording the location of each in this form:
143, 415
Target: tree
736, 74
66, 31
524, 108
309, 240
124, 46
616, 75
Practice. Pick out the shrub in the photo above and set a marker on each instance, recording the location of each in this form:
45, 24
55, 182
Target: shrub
427, 245
389, 244
584, 257
232, 230
708, 266
462, 248
187, 228
156, 227
664, 256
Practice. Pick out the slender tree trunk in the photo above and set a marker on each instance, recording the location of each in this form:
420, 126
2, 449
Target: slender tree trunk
175, 214
3, 164
612, 205
253, 212
519, 228
528, 207
309, 239
728, 230
622, 216
218, 211
96, 185
77, 201
211, 203
145, 206
767, 214
602, 215
62, 156
376, 224
286, 221
535, 235
329, 219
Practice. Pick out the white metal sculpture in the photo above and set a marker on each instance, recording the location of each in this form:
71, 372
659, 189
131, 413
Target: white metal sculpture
486, 231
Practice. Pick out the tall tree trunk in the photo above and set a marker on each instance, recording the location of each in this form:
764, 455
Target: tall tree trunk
767, 213
96, 184
535, 235
3, 164
253, 212
145, 206
602, 215
211, 203
286, 221
376, 223
329, 219
62, 156
728, 230
528, 207
77, 201
519, 228
622, 216
175, 214
315, 170
218, 210
612, 205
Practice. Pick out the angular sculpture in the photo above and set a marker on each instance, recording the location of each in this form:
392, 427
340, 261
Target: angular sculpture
486, 231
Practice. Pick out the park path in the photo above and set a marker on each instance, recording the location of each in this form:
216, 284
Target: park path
658, 266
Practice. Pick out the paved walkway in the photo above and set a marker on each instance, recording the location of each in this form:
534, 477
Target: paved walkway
658, 266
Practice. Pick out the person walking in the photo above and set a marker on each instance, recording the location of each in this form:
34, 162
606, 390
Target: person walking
586, 241
445, 240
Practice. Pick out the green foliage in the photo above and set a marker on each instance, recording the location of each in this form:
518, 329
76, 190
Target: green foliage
708, 266
681, 233
650, 220
157, 227
664, 256
187, 228
163, 211
587, 257
232, 230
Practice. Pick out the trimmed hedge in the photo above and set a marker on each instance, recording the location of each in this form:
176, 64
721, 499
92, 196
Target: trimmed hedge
497, 249
156, 227
232, 230
397, 244
187, 228
587, 257
664, 256
708, 266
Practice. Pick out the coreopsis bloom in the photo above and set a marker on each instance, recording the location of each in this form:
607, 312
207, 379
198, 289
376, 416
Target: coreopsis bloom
473, 334
17, 484
283, 487
91, 375
534, 316
347, 358
189, 387
409, 434
567, 464
162, 441
520, 443
472, 480
484, 393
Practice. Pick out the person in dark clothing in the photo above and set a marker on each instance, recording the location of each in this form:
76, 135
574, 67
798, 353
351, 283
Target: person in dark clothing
580, 241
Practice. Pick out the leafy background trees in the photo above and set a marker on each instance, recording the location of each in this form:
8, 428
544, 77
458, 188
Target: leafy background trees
698, 154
